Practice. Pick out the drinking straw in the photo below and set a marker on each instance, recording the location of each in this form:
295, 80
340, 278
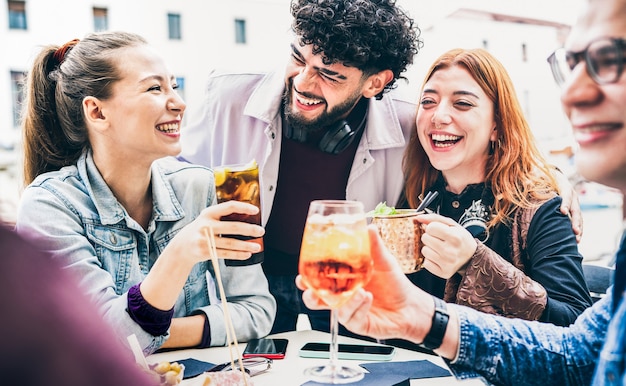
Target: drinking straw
430, 196
230, 330
137, 352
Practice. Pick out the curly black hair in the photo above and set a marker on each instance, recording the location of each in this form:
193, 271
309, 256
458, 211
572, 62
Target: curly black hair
371, 35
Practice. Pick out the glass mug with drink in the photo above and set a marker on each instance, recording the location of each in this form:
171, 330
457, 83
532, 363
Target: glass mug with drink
401, 235
240, 183
335, 261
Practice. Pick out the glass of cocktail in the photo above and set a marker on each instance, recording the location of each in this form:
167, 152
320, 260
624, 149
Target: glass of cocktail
240, 183
335, 261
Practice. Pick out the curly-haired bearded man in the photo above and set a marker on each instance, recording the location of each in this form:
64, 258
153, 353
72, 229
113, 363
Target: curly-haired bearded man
320, 130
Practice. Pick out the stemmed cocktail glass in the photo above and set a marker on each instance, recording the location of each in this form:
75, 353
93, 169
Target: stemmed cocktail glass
335, 261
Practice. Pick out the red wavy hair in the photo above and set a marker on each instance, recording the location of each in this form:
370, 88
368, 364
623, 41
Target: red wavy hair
518, 173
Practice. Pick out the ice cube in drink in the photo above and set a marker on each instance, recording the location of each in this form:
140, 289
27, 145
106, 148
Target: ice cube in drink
335, 256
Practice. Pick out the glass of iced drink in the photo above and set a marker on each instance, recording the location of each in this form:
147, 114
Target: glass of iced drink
240, 183
402, 236
334, 262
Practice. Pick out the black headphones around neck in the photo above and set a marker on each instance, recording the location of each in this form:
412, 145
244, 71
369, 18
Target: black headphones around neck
336, 139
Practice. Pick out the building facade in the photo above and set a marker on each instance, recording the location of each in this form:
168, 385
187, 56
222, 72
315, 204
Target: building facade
193, 36
196, 36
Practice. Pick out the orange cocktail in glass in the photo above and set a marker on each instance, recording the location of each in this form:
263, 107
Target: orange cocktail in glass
335, 261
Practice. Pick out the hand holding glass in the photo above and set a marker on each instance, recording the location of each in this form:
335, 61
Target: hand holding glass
240, 183
335, 261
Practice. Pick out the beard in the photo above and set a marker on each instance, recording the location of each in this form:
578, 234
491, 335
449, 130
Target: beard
327, 118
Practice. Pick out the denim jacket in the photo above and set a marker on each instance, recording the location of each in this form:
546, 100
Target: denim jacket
516, 352
611, 369
73, 213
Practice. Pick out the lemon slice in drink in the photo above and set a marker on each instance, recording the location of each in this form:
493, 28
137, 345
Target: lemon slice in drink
251, 165
220, 175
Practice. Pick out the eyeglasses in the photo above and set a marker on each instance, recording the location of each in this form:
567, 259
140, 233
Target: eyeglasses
604, 60
253, 366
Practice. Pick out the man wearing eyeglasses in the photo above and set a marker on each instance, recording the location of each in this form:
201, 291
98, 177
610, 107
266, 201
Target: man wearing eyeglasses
603, 59
590, 71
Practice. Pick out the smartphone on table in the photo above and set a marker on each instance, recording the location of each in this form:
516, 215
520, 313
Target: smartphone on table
365, 352
266, 348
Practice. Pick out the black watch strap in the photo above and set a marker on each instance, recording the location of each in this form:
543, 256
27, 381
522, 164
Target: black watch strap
434, 338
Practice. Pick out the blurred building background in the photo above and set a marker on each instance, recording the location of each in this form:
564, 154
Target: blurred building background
196, 36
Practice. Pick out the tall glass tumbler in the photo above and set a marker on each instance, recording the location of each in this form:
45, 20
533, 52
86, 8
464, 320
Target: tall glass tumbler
240, 183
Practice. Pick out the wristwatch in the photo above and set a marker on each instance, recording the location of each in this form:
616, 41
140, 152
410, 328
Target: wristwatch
434, 337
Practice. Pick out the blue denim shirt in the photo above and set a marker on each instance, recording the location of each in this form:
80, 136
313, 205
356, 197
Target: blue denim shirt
73, 214
611, 366
517, 352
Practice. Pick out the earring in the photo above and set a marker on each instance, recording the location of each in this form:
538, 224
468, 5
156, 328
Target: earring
492, 146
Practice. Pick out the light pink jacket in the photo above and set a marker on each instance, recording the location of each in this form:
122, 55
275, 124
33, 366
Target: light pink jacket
241, 121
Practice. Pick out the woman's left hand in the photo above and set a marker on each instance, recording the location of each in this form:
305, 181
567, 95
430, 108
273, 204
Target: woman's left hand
191, 242
570, 206
448, 246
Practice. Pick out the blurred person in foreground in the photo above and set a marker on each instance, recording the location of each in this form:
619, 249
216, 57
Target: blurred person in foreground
109, 201
329, 126
512, 351
53, 335
496, 239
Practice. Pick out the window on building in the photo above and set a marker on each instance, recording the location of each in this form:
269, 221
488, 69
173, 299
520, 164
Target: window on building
17, 94
173, 23
180, 81
17, 14
100, 19
240, 31
524, 53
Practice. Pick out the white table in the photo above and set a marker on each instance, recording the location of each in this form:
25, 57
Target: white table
289, 371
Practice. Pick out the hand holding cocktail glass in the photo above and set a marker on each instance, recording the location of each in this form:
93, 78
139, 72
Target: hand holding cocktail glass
388, 306
335, 262
240, 183
190, 241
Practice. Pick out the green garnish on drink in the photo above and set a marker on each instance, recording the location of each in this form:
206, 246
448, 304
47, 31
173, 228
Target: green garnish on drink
382, 210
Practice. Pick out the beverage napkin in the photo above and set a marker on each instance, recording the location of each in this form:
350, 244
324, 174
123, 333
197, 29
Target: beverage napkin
373, 380
395, 373
194, 367
409, 369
